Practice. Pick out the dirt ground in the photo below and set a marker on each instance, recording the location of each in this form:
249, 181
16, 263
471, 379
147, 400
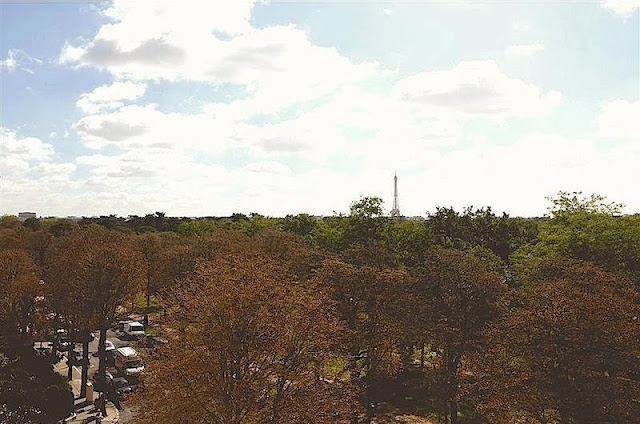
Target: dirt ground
402, 419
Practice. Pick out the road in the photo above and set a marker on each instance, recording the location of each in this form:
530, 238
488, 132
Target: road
113, 337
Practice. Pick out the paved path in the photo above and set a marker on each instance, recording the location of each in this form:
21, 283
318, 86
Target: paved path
85, 412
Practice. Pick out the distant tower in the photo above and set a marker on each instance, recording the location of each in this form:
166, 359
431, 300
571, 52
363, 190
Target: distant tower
396, 206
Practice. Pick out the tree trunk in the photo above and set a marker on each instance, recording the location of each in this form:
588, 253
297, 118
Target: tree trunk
542, 418
453, 391
146, 311
422, 355
70, 348
453, 411
102, 365
55, 335
275, 409
24, 316
148, 293
85, 364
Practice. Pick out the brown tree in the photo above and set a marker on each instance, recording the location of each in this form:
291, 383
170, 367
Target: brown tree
365, 297
94, 271
249, 345
39, 243
18, 287
114, 272
461, 298
151, 249
566, 350
66, 295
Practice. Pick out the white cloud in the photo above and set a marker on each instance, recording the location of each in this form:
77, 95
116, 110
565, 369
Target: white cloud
31, 180
357, 128
10, 62
14, 146
268, 167
622, 7
108, 96
278, 65
516, 178
520, 26
513, 178
145, 127
525, 50
19, 59
344, 142
619, 119
476, 89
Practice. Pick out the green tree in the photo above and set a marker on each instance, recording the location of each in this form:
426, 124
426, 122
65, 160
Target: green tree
10, 221
196, 227
589, 229
30, 392
301, 224
328, 234
409, 240
566, 203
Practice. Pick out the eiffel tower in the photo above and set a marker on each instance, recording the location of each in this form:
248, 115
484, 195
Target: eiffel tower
395, 212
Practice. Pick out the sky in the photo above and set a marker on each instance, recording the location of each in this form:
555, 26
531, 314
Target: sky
202, 108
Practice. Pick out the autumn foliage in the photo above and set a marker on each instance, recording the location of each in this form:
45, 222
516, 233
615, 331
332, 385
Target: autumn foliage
250, 344
566, 349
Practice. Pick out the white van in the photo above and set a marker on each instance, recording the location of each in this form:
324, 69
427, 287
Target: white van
128, 362
134, 329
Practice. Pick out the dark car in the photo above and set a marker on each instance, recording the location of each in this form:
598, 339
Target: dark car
76, 358
122, 385
98, 385
63, 344
62, 339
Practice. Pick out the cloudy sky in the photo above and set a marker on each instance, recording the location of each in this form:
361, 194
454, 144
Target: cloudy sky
208, 108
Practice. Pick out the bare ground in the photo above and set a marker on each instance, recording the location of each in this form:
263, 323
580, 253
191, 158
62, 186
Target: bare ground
402, 419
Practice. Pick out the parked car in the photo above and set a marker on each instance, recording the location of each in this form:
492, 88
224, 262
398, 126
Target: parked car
122, 385
134, 329
63, 344
97, 385
76, 357
109, 348
122, 323
62, 339
128, 362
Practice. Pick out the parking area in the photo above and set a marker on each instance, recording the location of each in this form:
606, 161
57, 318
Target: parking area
121, 383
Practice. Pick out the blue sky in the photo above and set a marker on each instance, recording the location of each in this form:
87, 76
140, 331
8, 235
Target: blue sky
208, 108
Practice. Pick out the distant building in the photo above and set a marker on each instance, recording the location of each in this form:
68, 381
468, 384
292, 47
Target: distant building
23, 216
415, 218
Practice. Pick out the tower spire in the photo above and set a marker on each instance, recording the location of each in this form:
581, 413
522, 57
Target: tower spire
396, 206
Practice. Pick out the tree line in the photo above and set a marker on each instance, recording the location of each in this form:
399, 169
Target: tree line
463, 316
